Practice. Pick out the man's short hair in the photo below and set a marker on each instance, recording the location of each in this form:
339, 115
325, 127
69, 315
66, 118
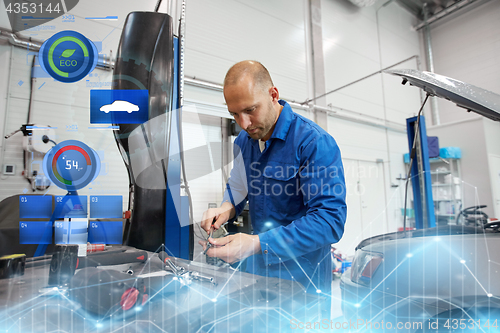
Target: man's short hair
259, 73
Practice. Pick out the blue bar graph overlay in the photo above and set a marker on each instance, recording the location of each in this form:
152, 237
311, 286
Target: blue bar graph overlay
74, 232
108, 232
35, 206
71, 206
106, 206
35, 232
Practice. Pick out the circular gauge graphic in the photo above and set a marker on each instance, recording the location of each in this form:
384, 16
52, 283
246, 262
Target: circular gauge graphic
71, 165
68, 56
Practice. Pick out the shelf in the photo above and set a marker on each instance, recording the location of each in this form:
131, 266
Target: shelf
444, 184
451, 200
444, 160
440, 173
446, 215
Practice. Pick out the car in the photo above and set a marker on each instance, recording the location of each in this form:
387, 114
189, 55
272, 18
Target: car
441, 279
119, 106
420, 280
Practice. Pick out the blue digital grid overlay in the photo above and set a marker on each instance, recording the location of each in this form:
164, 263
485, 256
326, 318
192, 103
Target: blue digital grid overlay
35, 232
107, 232
70, 232
106, 206
70, 206
35, 207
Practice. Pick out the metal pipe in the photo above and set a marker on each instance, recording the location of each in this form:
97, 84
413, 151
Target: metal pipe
383, 123
19, 41
427, 37
32, 83
358, 80
445, 12
386, 131
194, 82
430, 64
309, 48
300, 106
34, 45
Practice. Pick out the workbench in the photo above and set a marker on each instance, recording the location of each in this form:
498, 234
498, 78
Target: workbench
239, 302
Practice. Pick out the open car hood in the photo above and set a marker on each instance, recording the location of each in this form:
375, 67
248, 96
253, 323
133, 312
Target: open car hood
463, 94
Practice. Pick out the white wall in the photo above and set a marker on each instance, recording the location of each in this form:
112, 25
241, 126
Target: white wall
356, 43
467, 48
221, 33
477, 148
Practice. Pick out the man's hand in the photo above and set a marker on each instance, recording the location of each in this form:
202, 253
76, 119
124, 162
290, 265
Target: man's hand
233, 248
222, 214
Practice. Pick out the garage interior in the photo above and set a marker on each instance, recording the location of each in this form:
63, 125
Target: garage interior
328, 58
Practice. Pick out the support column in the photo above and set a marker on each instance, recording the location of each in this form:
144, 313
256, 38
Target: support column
430, 64
318, 62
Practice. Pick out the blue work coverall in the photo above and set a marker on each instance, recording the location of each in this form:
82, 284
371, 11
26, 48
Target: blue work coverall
296, 194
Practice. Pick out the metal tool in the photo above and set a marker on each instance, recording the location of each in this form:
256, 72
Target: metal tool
209, 245
199, 277
224, 231
181, 272
177, 270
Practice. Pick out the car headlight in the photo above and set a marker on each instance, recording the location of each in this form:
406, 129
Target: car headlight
364, 266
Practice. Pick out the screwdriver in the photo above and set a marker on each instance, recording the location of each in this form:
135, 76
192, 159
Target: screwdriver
209, 245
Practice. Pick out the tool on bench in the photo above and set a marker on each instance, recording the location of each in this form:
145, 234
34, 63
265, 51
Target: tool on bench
168, 262
198, 276
92, 248
65, 261
107, 292
181, 272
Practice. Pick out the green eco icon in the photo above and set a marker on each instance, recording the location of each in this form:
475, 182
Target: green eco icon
67, 53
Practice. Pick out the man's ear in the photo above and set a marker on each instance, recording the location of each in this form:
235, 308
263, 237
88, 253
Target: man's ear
274, 93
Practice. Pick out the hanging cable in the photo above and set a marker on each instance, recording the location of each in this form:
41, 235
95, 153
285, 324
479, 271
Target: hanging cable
185, 185
157, 7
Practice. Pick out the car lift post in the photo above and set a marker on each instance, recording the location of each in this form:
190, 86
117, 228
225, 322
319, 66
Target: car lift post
421, 175
177, 229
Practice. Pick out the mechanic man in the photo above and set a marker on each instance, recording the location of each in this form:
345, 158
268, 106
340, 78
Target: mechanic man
290, 171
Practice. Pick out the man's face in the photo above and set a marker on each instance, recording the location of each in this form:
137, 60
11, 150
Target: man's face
252, 107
